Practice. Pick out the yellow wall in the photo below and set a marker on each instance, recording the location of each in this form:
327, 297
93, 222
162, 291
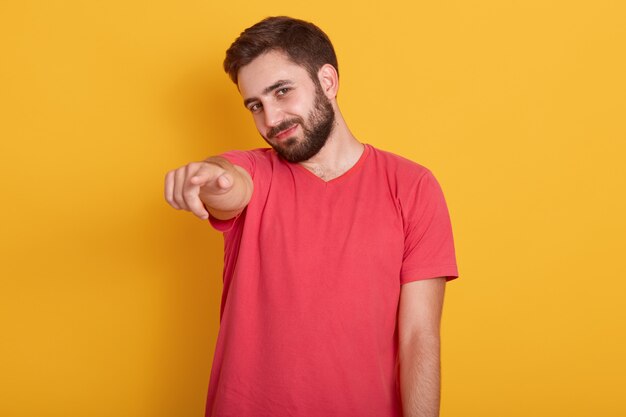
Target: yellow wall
109, 300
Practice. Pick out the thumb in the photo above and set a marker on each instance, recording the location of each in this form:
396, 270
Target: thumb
224, 182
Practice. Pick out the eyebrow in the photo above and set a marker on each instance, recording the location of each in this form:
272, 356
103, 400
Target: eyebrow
278, 84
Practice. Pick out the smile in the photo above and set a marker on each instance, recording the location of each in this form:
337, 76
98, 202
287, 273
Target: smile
285, 133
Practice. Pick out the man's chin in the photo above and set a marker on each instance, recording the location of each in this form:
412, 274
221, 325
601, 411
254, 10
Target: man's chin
289, 142
295, 150
285, 146
288, 156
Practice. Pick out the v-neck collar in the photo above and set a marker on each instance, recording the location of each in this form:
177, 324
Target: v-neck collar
354, 168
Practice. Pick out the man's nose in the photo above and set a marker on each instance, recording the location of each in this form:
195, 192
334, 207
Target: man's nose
273, 116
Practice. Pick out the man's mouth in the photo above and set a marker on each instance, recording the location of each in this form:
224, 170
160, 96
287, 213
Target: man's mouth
286, 133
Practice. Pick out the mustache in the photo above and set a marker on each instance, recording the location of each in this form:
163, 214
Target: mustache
284, 125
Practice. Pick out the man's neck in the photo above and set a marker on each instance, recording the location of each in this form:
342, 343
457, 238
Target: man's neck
340, 153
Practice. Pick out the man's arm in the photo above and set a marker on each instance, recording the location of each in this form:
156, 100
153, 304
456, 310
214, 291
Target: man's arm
419, 319
212, 186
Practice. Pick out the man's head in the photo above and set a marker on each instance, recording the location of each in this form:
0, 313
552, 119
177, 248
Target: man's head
302, 42
285, 70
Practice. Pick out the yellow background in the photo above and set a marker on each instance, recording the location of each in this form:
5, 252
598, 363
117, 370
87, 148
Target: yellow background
109, 300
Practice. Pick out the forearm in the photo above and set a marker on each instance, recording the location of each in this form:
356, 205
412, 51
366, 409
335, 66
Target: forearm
420, 376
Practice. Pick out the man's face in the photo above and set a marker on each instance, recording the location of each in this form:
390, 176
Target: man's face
290, 111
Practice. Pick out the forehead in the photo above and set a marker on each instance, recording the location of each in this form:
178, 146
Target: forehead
265, 70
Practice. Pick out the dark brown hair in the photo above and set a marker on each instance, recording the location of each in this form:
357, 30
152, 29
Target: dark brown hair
304, 43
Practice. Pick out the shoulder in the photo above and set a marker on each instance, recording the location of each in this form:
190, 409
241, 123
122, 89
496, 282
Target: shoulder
413, 185
396, 167
258, 154
253, 160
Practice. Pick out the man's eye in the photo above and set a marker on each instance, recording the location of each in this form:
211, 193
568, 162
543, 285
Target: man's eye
282, 91
255, 107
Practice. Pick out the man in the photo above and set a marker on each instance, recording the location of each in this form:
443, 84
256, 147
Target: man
336, 253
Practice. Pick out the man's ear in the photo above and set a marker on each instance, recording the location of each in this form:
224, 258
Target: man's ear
329, 80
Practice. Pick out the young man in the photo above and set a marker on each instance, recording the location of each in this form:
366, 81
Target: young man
336, 253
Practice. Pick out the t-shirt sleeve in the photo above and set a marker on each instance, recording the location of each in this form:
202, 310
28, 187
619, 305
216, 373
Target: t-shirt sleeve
428, 243
244, 159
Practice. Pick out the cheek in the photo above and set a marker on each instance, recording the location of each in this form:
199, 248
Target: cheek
260, 124
296, 105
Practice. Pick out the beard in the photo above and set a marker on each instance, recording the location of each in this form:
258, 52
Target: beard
317, 129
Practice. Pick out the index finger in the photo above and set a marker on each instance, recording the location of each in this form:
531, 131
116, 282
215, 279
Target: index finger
205, 173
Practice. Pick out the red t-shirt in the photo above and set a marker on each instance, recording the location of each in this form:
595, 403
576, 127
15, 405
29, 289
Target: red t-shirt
312, 279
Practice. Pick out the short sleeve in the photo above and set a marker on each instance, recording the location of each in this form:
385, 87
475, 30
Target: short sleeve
244, 159
428, 244
223, 225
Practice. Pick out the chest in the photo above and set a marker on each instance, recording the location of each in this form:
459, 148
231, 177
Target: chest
324, 227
